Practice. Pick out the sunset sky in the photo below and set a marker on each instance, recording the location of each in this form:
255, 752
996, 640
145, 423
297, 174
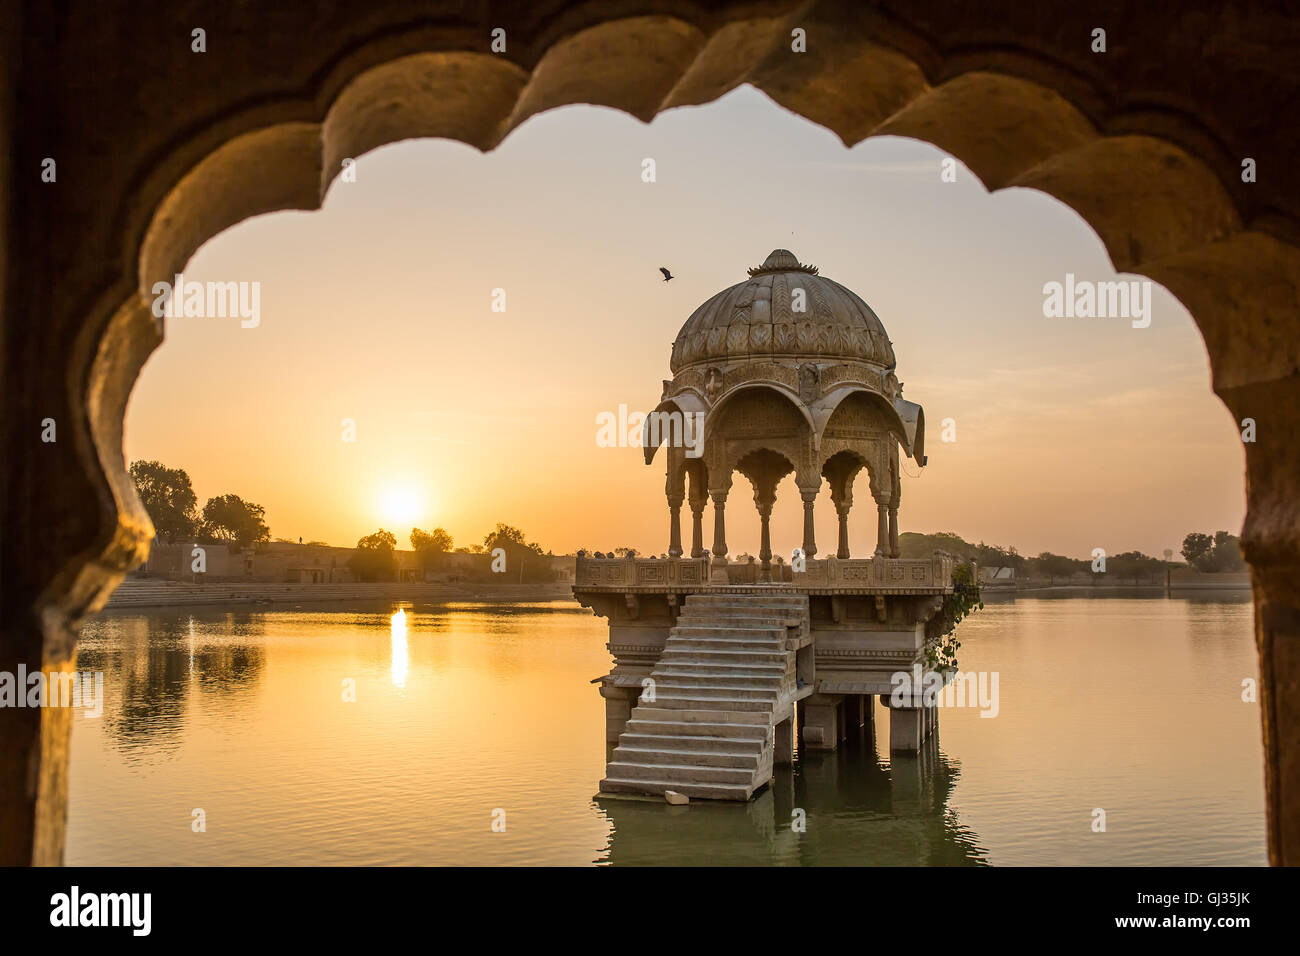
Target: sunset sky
1072, 433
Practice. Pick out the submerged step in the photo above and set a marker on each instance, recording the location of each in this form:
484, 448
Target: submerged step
678, 773
715, 791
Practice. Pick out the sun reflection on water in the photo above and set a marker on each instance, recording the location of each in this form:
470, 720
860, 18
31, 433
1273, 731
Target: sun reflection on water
400, 655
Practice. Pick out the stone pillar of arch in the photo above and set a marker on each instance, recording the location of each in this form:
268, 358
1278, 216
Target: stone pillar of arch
882, 528
809, 496
675, 488
699, 497
895, 495
718, 492
840, 472
765, 469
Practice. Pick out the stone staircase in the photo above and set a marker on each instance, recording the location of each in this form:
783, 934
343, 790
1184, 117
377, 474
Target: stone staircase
725, 679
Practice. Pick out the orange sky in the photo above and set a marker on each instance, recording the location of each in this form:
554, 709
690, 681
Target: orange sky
1071, 433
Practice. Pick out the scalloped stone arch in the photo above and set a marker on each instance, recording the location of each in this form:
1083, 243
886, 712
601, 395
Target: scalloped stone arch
186, 151
748, 389
879, 405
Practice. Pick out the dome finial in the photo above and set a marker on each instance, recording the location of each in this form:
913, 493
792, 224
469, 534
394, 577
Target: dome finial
782, 260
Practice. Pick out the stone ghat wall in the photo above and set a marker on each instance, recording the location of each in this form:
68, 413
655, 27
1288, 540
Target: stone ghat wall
877, 574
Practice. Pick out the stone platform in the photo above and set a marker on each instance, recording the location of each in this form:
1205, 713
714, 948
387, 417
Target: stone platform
865, 619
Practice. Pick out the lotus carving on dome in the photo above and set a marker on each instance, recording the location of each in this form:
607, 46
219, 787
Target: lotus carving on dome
737, 336
806, 337
783, 336
717, 339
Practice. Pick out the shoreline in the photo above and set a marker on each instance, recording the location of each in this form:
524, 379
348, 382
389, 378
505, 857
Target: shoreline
132, 595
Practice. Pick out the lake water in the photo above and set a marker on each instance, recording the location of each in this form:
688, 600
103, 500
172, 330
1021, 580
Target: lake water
482, 713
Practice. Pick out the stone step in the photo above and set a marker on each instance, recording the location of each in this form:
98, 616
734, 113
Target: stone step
770, 681
676, 655
702, 701
796, 602
679, 773
716, 669
708, 732
726, 641
723, 644
678, 757
718, 628
716, 791
715, 692
747, 609
697, 715
732, 732
741, 617
689, 738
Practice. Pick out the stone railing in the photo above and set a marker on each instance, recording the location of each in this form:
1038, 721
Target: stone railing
903, 574
899, 575
634, 572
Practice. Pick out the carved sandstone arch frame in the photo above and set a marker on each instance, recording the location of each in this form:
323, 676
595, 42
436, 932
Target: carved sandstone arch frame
159, 153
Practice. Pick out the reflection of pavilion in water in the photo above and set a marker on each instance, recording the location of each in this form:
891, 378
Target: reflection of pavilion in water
855, 808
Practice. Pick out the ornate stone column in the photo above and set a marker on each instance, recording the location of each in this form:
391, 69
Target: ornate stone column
718, 566
697, 526
765, 537
895, 494
882, 529
842, 510
674, 526
840, 473
809, 534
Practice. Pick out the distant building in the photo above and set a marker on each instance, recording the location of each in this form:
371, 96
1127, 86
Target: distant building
997, 576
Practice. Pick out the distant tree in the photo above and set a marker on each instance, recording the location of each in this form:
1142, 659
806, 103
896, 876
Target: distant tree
1227, 552
524, 560
1197, 549
1209, 554
318, 544
1054, 566
431, 547
167, 495
624, 552
992, 556
235, 522
1133, 564
374, 558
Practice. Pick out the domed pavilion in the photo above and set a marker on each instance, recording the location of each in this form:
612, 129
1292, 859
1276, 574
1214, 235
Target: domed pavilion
792, 372
720, 667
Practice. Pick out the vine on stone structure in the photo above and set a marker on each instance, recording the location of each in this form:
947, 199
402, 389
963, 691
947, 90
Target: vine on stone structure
941, 651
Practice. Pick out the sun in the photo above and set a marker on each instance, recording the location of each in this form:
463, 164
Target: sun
400, 504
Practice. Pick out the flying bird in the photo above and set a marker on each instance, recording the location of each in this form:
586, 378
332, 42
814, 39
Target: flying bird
667, 275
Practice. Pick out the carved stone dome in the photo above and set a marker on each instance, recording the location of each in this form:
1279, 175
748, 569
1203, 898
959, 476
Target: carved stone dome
759, 319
